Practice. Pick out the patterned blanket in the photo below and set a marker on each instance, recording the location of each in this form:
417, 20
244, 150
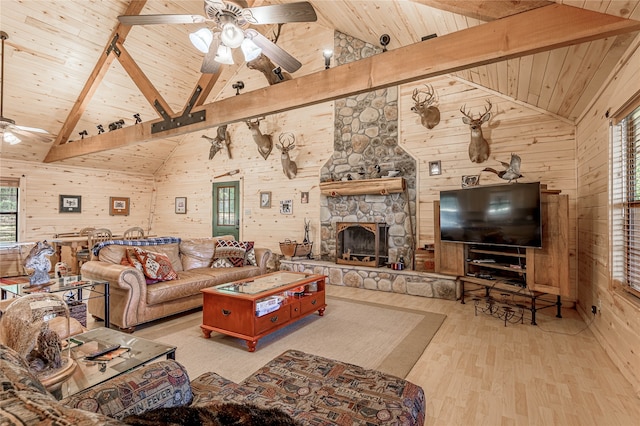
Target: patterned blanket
157, 241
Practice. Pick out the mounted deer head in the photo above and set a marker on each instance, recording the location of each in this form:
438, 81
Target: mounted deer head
264, 142
263, 64
289, 167
266, 67
478, 147
429, 114
222, 140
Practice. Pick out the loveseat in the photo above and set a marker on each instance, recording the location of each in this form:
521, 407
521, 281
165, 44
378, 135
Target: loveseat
137, 295
309, 389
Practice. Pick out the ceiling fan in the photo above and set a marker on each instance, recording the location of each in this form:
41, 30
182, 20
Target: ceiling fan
11, 132
231, 19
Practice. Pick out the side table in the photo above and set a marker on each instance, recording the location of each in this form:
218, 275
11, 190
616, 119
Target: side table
62, 285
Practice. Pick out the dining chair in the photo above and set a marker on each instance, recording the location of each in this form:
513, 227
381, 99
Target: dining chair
133, 233
84, 253
96, 236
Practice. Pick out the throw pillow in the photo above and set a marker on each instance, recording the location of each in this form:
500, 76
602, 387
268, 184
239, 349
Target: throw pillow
229, 253
130, 259
251, 253
156, 265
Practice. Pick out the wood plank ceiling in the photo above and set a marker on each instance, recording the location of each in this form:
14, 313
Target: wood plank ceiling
54, 46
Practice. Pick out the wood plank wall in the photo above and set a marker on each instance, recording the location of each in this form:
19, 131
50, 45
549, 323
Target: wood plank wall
617, 326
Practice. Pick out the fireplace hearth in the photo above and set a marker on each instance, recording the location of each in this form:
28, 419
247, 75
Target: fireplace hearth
362, 243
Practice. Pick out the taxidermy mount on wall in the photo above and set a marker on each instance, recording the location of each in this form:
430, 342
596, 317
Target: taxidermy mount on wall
478, 146
264, 142
511, 170
423, 106
289, 167
222, 140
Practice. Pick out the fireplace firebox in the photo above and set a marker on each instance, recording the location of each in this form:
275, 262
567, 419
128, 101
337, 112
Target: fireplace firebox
362, 243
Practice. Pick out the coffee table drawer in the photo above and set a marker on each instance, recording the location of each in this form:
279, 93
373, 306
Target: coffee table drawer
273, 319
229, 314
311, 303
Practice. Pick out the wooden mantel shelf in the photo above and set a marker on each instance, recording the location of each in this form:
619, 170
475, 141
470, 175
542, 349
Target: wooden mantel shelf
381, 186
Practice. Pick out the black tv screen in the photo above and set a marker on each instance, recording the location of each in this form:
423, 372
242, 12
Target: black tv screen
506, 215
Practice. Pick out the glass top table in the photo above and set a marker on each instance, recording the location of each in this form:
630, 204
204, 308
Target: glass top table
264, 283
91, 373
75, 283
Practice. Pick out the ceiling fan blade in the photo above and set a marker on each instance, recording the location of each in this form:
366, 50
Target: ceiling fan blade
209, 65
31, 129
280, 13
273, 51
24, 134
160, 19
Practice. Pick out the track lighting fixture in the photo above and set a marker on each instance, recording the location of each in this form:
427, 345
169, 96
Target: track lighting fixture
328, 53
238, 85
100, 128
385, 39
116, 125
278, 72
137, 118
83, 134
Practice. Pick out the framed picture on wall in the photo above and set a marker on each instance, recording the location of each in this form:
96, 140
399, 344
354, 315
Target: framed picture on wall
118, 206
70, 204
304, 198
265, 200
181, 205
286, 207
434, 168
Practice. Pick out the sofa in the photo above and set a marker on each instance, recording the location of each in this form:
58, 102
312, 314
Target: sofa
308, 389
187, 266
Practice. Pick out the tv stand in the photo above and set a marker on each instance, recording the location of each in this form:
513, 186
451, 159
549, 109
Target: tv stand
531, 277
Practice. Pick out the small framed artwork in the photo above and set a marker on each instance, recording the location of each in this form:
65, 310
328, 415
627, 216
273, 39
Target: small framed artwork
118, 206
304, 198
434, 168
70, 204
265, 200
181, 205
286, 207
470, 180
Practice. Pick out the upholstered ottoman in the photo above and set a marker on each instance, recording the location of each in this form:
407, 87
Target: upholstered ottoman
320, 391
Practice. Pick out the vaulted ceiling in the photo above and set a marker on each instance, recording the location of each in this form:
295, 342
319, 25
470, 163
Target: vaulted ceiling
56, 51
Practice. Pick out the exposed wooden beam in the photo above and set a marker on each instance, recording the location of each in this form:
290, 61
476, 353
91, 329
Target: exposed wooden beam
95, 78
485, 10
140, 79
555, 26
206, 82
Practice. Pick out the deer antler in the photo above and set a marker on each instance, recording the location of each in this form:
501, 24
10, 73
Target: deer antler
463, 111
287, 138
428, 96
486, 110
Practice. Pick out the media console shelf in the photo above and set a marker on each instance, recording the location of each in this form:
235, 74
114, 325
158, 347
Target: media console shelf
531, 277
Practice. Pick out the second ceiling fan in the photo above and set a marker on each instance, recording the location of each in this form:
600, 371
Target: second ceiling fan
231, 19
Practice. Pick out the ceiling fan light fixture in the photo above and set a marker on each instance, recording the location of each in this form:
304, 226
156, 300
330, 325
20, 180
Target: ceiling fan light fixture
231, 35
201, 39
224, 55
250, 49
10, 138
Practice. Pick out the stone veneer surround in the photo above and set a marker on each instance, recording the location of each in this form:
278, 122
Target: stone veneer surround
366, 135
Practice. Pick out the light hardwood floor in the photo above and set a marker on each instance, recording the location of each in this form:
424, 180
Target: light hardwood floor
476, 371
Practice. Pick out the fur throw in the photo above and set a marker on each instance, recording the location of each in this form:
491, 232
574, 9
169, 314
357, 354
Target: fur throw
216, 415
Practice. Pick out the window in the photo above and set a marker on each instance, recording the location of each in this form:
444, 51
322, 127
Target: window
9, 210
625, 241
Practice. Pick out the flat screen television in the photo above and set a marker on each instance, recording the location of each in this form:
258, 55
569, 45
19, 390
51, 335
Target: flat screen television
506, 215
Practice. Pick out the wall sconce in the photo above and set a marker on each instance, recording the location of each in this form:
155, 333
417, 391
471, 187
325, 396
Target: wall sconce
278, 73
137, 117
100, 128
328, 53
385, 39
238, 85
83, 134
116, 125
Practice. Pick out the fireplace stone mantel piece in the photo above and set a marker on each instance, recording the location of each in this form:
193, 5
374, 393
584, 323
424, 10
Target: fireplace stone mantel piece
425, 284
380, 186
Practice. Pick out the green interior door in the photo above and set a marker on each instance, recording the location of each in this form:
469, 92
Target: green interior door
226, 209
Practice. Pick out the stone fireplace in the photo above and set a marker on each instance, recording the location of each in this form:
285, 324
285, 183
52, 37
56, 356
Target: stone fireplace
366, 147
362, 243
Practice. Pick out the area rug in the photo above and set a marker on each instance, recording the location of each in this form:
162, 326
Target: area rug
371, 335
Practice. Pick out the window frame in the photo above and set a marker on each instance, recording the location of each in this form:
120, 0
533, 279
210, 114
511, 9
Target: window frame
12, 184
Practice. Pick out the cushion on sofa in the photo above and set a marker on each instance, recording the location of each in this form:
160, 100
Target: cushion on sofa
230, 254
156, 266
198, 252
